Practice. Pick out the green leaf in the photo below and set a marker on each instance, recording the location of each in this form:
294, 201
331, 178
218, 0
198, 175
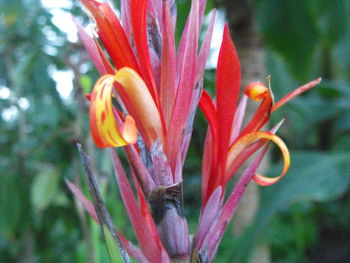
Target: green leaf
331, 20
288, 27
113, 250
14, 206
45, 187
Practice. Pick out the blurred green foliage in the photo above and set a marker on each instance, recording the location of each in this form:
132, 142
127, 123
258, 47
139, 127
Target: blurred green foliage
304, 218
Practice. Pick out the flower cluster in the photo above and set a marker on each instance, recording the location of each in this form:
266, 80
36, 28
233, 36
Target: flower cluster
158, 88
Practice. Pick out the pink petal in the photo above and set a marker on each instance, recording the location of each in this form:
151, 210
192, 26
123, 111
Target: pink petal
144, 236
132, 250
168, 67
238, 120
141, 172
89, 207
185, 89
204, 52
208, 215
161, 166
125, 17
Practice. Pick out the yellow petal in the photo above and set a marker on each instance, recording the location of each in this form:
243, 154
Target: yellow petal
140, 105
105, 128
247, 140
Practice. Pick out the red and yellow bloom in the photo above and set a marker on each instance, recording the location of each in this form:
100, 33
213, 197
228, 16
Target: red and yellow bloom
157, 87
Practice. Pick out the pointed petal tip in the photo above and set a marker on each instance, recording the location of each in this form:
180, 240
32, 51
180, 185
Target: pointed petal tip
267, 181
295, 93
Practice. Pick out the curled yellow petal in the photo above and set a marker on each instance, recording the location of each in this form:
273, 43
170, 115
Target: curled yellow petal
140, 105
247, 140
105, 129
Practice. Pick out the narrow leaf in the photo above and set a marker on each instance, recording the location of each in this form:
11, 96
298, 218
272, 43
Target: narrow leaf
113, 250
102, 213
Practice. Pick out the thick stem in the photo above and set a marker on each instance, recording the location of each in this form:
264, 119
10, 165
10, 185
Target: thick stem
167, 210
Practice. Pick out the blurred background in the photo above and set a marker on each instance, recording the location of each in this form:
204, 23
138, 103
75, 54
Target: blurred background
44, 73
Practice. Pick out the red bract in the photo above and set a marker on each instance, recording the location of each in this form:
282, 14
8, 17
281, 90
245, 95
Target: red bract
158, 87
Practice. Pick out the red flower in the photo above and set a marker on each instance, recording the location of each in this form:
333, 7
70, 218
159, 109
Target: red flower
158, 88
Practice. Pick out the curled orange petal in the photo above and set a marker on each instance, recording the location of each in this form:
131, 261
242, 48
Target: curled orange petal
242, 143
105, 129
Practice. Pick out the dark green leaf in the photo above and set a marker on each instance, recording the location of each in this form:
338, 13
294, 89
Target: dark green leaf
289, 28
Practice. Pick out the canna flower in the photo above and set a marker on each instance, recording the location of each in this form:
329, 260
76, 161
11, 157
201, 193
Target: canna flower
228, 145
158, 87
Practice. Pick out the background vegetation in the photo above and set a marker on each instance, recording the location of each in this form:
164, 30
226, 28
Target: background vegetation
304, 218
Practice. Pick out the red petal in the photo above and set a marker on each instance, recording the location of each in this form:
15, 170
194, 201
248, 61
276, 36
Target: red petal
132, 250
209, 174
139, 26
228, 79
114, 38
261, 116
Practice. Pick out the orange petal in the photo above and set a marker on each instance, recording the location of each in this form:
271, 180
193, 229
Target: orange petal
140, 104
242, 143
105, 129
256, 91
